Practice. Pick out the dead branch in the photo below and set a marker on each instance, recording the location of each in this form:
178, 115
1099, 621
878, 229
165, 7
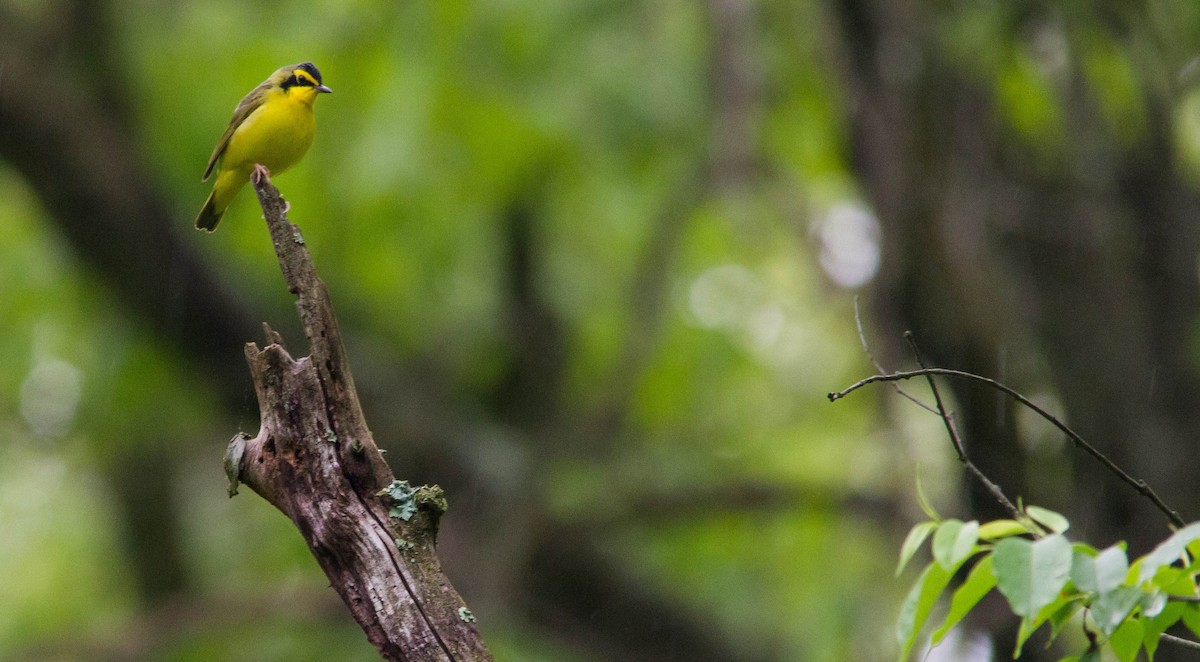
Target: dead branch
315, 460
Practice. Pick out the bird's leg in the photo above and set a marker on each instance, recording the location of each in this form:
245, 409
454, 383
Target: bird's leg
260, 174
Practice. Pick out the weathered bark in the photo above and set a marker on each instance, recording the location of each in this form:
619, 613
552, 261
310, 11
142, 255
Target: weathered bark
316, 461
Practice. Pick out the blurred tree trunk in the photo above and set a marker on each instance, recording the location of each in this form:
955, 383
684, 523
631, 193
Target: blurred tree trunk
906, 125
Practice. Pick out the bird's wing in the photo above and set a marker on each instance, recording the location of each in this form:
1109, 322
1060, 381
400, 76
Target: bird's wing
247, 105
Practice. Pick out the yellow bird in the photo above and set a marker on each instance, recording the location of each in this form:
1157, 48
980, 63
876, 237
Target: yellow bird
271, 129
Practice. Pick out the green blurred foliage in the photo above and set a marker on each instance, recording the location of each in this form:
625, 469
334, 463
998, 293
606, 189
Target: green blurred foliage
443, 115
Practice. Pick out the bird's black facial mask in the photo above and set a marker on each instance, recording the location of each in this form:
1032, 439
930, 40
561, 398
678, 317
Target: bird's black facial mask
306, 75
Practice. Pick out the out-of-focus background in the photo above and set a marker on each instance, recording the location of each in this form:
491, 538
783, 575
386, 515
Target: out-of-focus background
596, 263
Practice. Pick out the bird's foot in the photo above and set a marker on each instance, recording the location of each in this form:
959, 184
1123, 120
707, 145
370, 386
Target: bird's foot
260, 174
287, 206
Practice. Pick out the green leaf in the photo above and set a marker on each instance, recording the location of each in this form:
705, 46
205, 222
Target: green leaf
1001, 528
1099, 574
916, 607
1111, 567
924, 502
1175, 581
1062, 616
978, 583
1191, 617
1127, 640
1086, 549
1110, 609
1153, 627
1048, 518
1169, 551
954, 542
1193, 549
1030, 574
1023, 633
1152, 604
1083, 571
1031, 625
912, 542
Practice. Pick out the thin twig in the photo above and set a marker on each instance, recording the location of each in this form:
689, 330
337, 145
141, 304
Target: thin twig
1180, 641
1136, 483
947, 417
862, 339
956, 439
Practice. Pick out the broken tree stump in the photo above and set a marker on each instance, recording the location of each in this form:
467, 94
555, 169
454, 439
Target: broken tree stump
315, 460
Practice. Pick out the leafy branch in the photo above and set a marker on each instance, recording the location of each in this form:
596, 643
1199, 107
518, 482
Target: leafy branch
1126, 607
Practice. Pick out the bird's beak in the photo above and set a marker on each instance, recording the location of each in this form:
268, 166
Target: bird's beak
322, 88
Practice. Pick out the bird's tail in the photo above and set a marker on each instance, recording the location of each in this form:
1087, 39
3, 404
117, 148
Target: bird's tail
209, 216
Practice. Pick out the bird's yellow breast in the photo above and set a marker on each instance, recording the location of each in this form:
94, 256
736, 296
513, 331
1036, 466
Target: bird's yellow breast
276, 134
